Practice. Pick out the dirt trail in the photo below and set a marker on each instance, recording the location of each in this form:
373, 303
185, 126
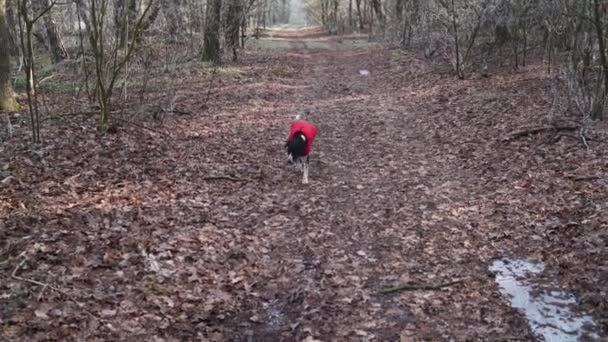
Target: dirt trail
410, 184
393, 200
371, 218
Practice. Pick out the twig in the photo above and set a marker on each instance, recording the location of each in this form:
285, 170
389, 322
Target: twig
9, 125
10, 258
43, 12
586, 178
42, 292
181, 112
45, 285
550, 325
564, 135
229, 178
535, 130
143, 127
35, 282
45, 79
583, 138
424, 287
58, 116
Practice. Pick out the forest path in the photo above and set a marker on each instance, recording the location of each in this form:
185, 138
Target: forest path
408, 187
387, 204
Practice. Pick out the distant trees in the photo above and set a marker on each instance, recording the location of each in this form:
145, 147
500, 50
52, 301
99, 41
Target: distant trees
570, 35
103, 35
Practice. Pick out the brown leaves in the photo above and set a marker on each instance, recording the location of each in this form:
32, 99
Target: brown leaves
408, 186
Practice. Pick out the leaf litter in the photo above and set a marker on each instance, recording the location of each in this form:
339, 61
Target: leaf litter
411, 184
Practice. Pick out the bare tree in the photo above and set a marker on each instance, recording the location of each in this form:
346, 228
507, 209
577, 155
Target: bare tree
26, 29
598, 23
377, 8
173, 17
360, 15
55, 42
125, 14
11, 23
211, 44
110, 57
234, 11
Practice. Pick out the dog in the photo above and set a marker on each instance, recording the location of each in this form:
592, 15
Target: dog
299, 145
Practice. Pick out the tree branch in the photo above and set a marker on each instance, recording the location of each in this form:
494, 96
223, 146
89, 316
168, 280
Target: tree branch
535, 130
425, 287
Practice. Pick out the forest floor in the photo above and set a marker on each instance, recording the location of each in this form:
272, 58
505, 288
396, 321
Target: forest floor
416, 178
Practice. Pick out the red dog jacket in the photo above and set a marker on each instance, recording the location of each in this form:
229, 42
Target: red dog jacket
309, 130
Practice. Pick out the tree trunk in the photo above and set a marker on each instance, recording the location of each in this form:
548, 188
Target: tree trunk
149, 21
598, 112
37, 7
335, 15
377, 6
264, 16
284, 14
360, 15
243, 31
365, 13
119, 19
350, 14
233, 24
11, 23
173, 17
324, 12
26, 28
456, 41
7, 96
398, 12
55, 43
211, 43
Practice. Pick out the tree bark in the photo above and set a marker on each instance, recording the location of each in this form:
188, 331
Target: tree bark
11, 23
598, 112
398, 12
360, 15
335, 15
211, 42
456, 40
7, 96
233, 24
377, 6
55, 43
350, 14
324, 12
173, 17
120, 23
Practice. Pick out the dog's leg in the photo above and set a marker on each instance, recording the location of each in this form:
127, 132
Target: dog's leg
306, 163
